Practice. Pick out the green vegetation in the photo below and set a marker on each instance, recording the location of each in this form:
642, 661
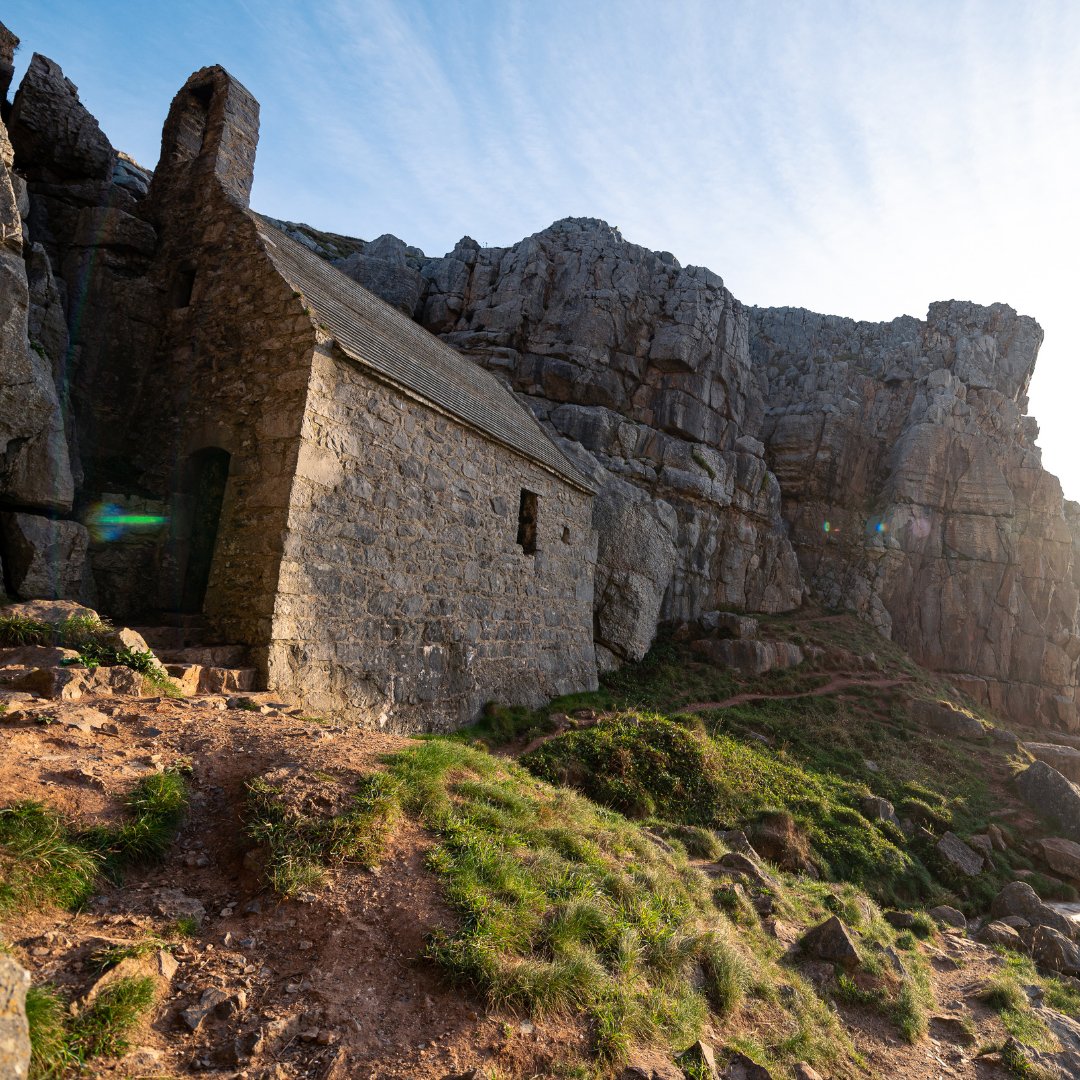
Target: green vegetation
1005, 994
791, 771
61, 1042
44, 860
566, 907
93, 639
300, 846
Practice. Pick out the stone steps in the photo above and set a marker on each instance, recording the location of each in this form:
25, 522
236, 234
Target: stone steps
164, 638
226, 656
197, 679
198, 664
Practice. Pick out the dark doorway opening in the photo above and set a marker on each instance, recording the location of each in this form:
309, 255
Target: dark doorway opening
205, 477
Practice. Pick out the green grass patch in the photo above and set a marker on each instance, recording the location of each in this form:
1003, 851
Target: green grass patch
568, 908
301, 846
1005, 994
45, 860
62, 1043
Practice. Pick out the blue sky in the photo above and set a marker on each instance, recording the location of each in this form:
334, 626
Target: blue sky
860, 158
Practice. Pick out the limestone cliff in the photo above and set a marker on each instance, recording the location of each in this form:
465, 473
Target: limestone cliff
743, 457
910, 487
916, 496
640, 367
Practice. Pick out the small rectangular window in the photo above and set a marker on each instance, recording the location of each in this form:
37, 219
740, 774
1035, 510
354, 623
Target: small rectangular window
183, 283
526, 535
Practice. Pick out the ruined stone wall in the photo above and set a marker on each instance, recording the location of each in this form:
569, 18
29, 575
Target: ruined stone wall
404, 595
916, 496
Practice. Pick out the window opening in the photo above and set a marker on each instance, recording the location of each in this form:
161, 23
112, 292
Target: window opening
180, 291
526, 535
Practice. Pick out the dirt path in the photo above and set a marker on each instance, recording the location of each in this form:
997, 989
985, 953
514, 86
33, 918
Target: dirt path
840, 681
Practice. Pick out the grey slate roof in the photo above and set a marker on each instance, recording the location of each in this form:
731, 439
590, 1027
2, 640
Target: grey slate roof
398, 351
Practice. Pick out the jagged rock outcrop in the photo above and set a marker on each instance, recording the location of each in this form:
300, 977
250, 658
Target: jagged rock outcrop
640, 367
915, 494
34, 465
912, 491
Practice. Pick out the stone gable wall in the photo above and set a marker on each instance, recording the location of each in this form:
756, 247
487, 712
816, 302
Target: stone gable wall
404, 596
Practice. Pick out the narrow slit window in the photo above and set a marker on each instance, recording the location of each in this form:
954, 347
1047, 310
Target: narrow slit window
526, 535
182, 285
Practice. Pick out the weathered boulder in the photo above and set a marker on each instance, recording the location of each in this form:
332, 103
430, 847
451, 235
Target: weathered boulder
1019, 898
51, 612
1066, 759
700, 1059
958, 856
1061, 855
635, 560
878, 809
948, 916
750, 657
729, 624
1052, 950
741, 1067
14, 1028
44, 558
1045, 790
941, 717
831, 941
1001, 933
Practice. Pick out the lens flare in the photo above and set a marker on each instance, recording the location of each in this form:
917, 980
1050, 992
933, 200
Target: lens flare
108, 521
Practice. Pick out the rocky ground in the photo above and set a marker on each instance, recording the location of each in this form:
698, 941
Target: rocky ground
333, 982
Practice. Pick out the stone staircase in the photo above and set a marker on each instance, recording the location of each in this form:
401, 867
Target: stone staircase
197, 664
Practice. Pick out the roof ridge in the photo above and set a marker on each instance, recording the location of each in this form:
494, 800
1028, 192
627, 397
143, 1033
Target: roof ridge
393, 347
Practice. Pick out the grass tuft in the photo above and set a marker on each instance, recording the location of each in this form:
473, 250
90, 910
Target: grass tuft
301, 846
45, 861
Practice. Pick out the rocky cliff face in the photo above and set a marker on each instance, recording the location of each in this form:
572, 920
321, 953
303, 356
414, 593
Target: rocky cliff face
900, 454
915, 495
744, 456
640, 369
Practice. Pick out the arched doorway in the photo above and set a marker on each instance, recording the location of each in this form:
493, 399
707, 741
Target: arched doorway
205, 476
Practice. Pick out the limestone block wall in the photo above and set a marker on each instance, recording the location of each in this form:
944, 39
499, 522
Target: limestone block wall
231, 373
404, 597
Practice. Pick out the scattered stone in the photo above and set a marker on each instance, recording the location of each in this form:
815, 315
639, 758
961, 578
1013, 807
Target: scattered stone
210, 1001
700, 1057
1061, 855
174, 904
743, 867
802, 1071
1049, 793
832, 942
878, 809
899, 920
737, 841
953, 851
740, 1067
1065, 759
728, 624
982, 843
1052, 950
941, 717
1019, 898
948, 916
997, 837
998, 932
14, 1028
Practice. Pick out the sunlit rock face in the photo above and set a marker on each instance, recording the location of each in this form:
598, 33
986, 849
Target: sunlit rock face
640, 368
915, 495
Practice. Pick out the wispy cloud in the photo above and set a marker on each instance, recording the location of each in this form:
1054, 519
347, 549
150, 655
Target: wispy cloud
862, 158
